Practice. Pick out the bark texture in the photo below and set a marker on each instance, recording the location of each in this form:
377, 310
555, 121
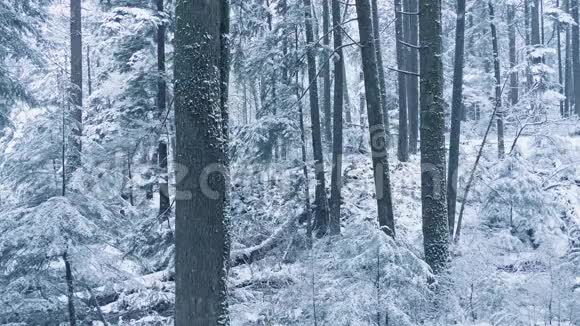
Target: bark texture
202, 239
433, 184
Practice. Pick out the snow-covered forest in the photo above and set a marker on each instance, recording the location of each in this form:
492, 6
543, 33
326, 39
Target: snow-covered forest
290, 162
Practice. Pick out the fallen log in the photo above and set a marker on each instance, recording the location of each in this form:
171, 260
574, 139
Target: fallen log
257, 252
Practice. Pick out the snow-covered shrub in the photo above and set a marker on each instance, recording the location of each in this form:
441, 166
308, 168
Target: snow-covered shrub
349, 280
517, 201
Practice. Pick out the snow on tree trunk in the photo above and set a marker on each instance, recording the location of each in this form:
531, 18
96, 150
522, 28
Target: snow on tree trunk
433, 185
201, 237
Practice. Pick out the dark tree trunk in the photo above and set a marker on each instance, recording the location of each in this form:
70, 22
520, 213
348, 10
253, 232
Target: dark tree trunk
89, 80
575, 55
568, 88
347, 103
403, 139
321, 202
378, 137
362, 104
456, 113
164, 205
497, 74
303, 152
336, 179
433, 185
511, 13
557, 27
380, 67
413, 81
326, 73
529, 79
202, 239
70, 290
535, 32
225, 72
76, 92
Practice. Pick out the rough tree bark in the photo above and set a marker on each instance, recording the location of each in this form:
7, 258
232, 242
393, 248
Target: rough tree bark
456, 115
336, 179
433, 185
202, 239
497, 74
378, 137
321, 202
403, 139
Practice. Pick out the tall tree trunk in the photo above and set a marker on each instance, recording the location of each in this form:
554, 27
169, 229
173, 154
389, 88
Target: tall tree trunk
89, 80
497, 74
380, 67
201, 232
164, 205
70, 290
412, 80
529, 79
336, 179
326, 73
347, 103
321, 202
536, 37
362, 104
76, 93
433, 185
557, 27
511, 13
575, 55
403, 139
303, 150
456, 113
568, 69
378, 136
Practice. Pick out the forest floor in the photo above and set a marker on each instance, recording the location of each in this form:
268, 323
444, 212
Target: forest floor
513, 265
